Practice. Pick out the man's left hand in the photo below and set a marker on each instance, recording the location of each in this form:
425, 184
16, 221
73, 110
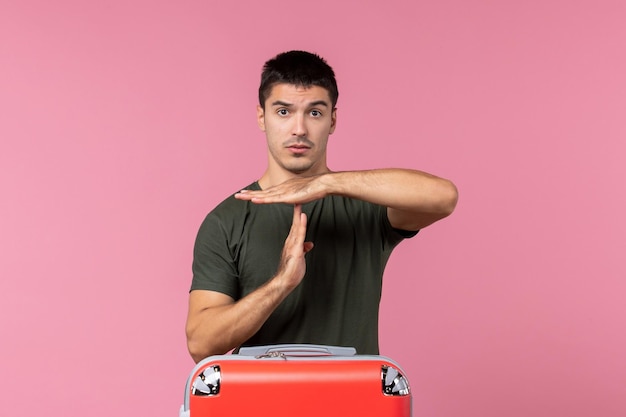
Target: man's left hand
294, 191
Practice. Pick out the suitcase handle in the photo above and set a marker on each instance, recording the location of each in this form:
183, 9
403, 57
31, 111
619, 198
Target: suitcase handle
296, 350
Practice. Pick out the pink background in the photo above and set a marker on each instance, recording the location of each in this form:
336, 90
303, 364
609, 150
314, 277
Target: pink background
122, 123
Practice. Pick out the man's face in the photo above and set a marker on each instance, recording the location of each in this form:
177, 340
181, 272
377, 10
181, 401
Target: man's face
297, 122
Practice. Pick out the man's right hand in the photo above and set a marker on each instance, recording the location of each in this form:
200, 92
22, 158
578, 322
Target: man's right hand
292, 265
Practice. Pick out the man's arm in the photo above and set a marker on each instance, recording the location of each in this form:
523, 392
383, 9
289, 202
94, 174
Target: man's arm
414, 199
216, 323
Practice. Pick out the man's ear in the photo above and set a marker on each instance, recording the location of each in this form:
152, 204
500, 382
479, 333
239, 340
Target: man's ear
333, 120
260, 117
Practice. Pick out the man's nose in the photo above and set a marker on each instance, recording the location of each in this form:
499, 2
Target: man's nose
299, 126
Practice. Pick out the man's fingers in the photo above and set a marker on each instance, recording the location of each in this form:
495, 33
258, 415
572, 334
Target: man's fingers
298, 229
298, 215
306, 246
293, 191
292, 264
298, 225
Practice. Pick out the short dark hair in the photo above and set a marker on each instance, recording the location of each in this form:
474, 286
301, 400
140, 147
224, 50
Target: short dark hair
300, 68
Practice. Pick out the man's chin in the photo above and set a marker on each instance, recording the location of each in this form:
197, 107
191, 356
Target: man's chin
299, 169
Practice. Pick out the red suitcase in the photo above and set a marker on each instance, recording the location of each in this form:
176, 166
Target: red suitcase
296, 381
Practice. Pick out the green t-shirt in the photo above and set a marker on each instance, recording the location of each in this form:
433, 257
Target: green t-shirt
238, 249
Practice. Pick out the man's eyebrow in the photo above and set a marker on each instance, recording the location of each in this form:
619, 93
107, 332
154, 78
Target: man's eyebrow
281, 103
319, 103
311, 104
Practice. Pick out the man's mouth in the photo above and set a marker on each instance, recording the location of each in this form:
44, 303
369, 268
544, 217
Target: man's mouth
298, 149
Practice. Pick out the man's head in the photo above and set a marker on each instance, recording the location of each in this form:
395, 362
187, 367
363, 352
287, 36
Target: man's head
297, 112
298, 68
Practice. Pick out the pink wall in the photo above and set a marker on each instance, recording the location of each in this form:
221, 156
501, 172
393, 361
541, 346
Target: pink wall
123, 122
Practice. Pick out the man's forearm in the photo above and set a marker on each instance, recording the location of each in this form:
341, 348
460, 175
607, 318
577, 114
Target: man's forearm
219, 329
414, 199
401, 189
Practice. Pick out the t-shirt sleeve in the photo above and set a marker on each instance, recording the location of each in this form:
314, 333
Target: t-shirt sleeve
214, 267
392, 235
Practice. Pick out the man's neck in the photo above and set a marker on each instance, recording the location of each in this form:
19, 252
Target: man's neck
270, 179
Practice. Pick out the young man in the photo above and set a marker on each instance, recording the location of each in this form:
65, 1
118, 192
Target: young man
257, 277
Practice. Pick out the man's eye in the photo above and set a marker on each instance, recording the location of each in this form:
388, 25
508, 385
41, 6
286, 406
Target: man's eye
316, 113
283, 112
